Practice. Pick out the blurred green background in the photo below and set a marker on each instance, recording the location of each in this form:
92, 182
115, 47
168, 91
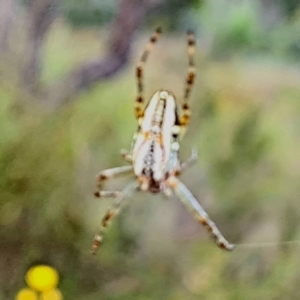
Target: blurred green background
58, 130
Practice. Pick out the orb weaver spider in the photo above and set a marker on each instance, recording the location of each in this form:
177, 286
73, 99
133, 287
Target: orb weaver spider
155, 147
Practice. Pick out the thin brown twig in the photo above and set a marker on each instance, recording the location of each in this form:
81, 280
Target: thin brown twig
130, 15
42, 13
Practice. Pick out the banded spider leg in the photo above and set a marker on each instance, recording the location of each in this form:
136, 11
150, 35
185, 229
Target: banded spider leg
194, 207
112, 212
108, 174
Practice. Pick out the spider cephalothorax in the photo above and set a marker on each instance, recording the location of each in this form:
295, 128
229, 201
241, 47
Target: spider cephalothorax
154, 152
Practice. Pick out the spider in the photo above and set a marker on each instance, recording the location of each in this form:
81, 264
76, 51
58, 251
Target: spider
155, 147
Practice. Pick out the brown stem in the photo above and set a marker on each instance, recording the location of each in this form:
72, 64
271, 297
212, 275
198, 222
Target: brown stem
41, 15
6, 20
130, 15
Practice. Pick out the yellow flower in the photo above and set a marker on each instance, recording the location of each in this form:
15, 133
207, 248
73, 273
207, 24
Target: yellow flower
26, 294
52, 295
42, 278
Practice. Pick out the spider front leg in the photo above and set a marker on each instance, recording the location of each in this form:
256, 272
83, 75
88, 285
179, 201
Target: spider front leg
139, 73
108, 174
190, 80
199, 213
111, 213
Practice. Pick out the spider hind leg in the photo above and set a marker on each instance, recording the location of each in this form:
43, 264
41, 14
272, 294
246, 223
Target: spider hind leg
198, 212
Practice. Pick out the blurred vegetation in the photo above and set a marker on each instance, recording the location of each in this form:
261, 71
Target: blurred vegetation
88, 13
245, 124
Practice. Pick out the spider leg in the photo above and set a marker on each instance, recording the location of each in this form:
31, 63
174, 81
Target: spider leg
178, 169
198, 212
126, 155
190, 161
139, 110
108, 174
111, 213
190, 79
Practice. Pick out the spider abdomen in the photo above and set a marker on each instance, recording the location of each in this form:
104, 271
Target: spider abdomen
151, 150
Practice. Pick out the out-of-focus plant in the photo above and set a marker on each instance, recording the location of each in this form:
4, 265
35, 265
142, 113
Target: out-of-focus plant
249, 26
88, 12
285, 39
240, 31
291, 7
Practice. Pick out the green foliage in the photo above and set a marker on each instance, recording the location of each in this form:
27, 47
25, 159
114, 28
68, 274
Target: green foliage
83, 13
290, 7
245, 26
174, 14
232, 26
240, 31
285, 40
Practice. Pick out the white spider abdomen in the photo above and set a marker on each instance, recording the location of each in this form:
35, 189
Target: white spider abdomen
153, 143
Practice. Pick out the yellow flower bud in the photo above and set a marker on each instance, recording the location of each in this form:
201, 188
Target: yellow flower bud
26, 294
52, 295
42, 278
